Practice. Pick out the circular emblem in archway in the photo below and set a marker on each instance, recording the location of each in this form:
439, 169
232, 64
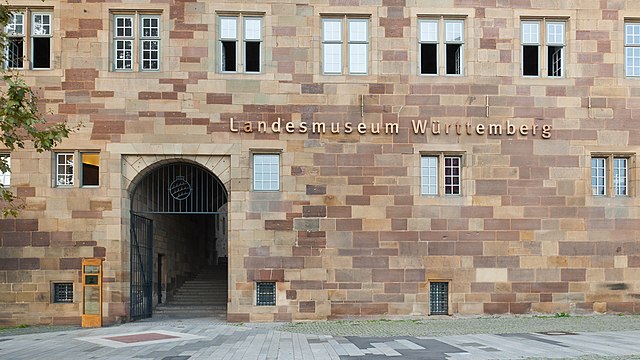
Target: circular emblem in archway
180, 189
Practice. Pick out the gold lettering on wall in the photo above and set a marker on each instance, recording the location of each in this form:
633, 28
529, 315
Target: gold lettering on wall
419, 127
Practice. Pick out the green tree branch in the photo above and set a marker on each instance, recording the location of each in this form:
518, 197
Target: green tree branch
21, 121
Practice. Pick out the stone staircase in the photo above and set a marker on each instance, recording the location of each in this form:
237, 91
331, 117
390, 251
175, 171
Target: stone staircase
204, 296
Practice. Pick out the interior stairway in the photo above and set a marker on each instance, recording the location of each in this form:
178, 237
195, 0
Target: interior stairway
204, 296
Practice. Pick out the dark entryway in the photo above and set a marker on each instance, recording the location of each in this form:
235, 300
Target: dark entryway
178, 228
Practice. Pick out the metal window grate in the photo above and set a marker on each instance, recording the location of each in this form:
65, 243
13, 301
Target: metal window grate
63, 293
265, 294
439, 298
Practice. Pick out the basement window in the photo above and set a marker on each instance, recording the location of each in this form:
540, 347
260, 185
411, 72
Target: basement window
439, 298
266, 293
62, 292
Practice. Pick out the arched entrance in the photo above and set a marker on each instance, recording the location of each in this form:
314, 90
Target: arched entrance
178, 229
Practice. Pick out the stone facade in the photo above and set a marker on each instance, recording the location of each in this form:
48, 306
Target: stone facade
349, 233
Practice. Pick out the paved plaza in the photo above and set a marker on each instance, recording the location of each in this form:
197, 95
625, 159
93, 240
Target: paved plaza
210, 338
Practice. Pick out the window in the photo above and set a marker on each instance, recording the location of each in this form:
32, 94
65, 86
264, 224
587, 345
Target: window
266, 293
610, 175
147, 37
266, 172
39, 45
63, 292
64, 169
15, 41
632, 49
430, 45
551, 49
251, 43
5, 172
449, 174
89, 170
439, 298
334, 46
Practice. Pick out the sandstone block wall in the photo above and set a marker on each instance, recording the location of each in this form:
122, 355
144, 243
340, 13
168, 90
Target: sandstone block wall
349, 234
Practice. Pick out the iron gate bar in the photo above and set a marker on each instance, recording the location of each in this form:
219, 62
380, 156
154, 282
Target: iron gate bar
141, 260
179, 188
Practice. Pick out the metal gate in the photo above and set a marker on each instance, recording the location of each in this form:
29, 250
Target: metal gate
141, 267
173, 188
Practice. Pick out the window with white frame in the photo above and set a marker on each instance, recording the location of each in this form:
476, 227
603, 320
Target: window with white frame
345, 45
38, 30
430, 44
266, 172
5, 170
250, 28
136, 42
65, 169
610, 175
543, 39
632, 48
441, 174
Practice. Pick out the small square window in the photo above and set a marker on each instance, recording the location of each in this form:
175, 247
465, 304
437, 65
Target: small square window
266, 294
63, 292
439, 298
87, 174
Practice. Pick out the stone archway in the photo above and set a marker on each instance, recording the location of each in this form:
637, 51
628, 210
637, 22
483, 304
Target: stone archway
177, 225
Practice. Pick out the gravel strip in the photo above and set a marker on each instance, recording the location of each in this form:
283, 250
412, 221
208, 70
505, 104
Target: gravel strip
465, 325
36, 329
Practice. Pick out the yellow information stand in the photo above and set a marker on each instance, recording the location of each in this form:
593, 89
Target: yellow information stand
91, 292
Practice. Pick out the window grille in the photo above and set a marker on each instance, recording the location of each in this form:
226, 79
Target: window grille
266, 293
439, 298
63, 293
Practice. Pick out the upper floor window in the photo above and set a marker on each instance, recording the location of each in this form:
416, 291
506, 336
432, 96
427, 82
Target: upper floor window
548, 45
339, 41
5, 174
441, 169
39, 33
632, 49
436, 49
266, 172
145, 33
229, 36
610, 175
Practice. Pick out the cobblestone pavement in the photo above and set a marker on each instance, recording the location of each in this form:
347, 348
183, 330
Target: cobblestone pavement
208, 338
